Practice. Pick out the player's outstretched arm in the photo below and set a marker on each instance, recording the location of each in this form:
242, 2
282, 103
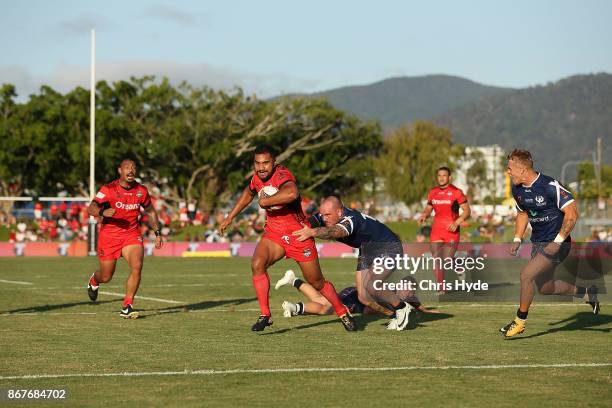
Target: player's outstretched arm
332, 232
154, 220
288, 193
245, 199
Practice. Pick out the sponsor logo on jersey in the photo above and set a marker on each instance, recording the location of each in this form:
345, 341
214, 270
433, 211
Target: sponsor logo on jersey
139, 194
286, 239
540, 219
100, 195
307, 252
540, 201
529, 200
123, 206
436, 202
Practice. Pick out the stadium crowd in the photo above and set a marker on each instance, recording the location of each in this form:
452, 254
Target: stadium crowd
67, 221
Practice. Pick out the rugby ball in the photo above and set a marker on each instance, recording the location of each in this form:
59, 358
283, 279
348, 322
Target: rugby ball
269, 191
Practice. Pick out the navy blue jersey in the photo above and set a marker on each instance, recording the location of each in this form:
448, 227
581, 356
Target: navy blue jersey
350, 299
361, 229
543, 201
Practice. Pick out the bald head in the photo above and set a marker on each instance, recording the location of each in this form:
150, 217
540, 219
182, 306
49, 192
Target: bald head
332, 202
331, 210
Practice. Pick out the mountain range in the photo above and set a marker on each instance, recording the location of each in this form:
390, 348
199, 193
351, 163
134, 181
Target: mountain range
558, 122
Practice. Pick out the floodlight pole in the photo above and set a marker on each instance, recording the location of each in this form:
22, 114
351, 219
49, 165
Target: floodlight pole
92, 117
92, 230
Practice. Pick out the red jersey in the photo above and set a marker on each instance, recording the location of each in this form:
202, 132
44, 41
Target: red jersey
126, 202
288, 218
445, 202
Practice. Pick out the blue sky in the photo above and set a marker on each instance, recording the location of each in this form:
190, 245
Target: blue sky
272, 47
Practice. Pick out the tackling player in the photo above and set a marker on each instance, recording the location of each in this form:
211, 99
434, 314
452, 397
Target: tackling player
550, 209
445, 200
277, 240
118, 204
374, 240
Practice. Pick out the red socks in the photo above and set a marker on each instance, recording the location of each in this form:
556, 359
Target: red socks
261, 283
93, 282
127, 301
329, 292
439, 274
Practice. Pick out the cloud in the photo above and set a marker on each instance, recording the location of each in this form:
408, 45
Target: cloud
169, 14
66, 77
84, 24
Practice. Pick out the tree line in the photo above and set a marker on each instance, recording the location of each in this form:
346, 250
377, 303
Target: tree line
196, 143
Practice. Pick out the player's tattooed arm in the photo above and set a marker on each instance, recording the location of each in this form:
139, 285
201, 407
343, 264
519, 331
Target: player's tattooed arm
333, 232
376, 308
569, 219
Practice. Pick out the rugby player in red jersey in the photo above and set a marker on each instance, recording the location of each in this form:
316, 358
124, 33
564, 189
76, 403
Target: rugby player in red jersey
445, 200
277, 240
118, 204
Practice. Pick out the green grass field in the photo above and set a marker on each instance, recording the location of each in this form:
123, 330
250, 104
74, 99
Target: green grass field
194, 347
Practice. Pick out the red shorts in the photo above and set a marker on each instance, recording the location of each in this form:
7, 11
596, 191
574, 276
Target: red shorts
300, 251
440, 233
110, 246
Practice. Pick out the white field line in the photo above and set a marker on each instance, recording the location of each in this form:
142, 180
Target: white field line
16, 282
174, 302
303, 370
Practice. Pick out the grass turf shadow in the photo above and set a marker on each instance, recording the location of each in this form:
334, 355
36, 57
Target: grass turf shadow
580, 321
207, 304
49, 308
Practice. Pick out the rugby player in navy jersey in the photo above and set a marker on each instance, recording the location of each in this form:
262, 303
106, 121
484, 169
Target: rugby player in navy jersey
551, 210
374, 240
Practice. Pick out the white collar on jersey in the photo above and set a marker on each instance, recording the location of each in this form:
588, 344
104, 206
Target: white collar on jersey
534, 180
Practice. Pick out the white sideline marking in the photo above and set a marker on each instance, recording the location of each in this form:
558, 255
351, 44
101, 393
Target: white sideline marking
16, 282
300, 370
175, 302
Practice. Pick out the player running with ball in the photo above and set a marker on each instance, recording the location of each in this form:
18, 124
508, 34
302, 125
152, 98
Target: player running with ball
552, 212
118, 205
284, 215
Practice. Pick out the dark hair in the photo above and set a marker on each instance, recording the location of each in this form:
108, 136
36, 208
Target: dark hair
128, 159
445, 169
265, 148
522, 156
